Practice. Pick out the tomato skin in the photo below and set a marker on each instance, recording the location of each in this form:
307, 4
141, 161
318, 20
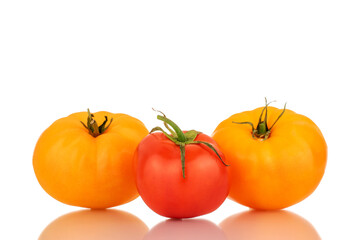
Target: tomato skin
78, 169
161, 184
277, 172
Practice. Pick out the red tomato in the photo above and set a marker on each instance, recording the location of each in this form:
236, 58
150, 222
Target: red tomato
176, 192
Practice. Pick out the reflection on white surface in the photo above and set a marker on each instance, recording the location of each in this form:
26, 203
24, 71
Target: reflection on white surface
187, 229
268, 225
95, 224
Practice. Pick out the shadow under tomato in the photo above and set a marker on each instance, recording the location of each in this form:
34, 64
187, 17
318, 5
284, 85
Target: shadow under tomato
186, 229
268, 225
95, 224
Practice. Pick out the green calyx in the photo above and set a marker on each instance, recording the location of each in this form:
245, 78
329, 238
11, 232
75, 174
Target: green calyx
181, 139
92, 126
262, 131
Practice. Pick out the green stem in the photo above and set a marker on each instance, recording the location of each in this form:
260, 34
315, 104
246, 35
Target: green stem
209, 145
182, 139
182, 156
262, 128
278, 117
262, 131
166, 125
180, 135
93, 127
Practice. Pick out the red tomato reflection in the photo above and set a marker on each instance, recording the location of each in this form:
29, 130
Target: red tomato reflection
186, 229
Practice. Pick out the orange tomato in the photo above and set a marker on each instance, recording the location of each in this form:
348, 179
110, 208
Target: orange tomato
88, 165
271, 166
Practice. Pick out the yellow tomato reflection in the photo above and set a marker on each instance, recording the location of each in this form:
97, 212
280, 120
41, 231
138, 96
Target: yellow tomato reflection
95, 224
268, 225
187, 229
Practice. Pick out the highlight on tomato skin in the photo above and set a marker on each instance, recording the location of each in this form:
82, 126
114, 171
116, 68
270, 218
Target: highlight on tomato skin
277, 157
181, 174
86, 159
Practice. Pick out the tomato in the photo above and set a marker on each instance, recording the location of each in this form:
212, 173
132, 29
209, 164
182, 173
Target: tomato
275, 165
180, 175
88, 165
95, 224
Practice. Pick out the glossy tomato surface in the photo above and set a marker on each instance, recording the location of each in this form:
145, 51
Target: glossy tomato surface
81, 170
160, 180
277, 172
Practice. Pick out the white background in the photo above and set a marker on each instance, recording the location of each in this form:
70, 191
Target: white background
199, 62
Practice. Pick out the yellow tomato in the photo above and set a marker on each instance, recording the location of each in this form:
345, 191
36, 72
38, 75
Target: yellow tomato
88, 165
272, 166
